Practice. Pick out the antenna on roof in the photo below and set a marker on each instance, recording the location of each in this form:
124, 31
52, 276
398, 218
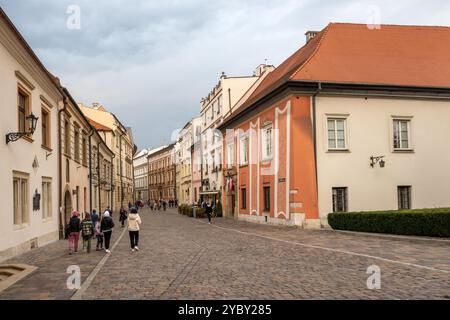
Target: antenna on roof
265, 61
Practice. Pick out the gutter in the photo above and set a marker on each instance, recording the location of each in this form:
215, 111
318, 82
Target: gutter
90, 170
61, 225
319, 88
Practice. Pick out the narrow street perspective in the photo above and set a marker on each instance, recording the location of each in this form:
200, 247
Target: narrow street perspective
182, 258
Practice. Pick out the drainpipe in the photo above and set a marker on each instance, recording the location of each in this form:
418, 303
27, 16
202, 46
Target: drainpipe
319, 88
112, 179
90, 170
121, 170
61, 225
99, 178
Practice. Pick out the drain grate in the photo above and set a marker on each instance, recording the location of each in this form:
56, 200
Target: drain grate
12, 273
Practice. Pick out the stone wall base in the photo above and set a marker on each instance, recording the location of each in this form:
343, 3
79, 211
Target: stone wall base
297, 220
27, 245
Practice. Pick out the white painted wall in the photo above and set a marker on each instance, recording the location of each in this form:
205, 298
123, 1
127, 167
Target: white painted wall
369, 132
19, 156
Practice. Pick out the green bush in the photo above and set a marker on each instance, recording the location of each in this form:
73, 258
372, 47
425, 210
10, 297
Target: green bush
421, 222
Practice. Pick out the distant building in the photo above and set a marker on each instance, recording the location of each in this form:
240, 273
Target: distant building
161, 174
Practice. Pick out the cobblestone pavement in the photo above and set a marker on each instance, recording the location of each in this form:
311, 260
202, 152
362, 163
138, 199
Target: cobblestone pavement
184, 258
49, 281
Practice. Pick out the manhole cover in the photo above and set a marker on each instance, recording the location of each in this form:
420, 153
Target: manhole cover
12, 273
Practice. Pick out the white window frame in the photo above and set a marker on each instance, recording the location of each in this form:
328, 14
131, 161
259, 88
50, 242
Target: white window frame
21, 219
46, 199
265, 155
336, 118
243, 152
230, 154
408, 121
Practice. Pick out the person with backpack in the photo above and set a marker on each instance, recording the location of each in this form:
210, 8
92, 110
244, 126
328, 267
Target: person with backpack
94, 218
87, 230
123, 216
73, 229
106, 228
134, 220
99, 235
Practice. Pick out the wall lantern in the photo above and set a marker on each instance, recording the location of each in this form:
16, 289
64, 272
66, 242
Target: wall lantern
14, 136
374, 160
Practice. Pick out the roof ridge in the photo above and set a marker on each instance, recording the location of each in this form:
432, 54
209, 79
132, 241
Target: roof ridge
391, 25
325, 32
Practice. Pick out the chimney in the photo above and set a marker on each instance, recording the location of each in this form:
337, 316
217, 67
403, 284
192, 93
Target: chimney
262, 68
310, 35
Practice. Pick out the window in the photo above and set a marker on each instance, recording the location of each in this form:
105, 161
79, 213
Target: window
243, 198
230, 155
84, 151
46, 198
23, 106
45, 122
267, 140
244, 151
336, 134
219, 104
67, 138
67, 171
340, 200
404, 197
20, 198
266, 199
77, 144
401, 135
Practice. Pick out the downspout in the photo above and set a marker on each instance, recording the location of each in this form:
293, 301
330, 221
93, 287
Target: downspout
99, 178
112, 180
121, 170
319, 88
61, 225
90, 170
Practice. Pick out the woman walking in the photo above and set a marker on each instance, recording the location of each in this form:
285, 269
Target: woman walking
134, 220
208, 211
73, 228
106, 227
99, 235
123, 216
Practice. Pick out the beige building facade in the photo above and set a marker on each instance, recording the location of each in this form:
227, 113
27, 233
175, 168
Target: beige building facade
29, 164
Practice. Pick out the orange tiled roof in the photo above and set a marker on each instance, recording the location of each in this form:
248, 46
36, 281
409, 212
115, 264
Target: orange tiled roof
98, 126
353, 53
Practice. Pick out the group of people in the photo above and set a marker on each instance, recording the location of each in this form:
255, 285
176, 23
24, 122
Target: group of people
161, 204
100, 228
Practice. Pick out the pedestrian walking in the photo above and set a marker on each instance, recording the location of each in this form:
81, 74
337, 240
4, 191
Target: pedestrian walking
123, 216
94, 218
87, 230
73, 229
208, 211
99, 235
134, 220
164, 203
106, 227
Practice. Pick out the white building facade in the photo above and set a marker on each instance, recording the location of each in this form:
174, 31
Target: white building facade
29, 166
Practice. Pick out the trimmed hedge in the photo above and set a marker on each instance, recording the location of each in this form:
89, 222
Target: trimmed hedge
188, 210
421, 222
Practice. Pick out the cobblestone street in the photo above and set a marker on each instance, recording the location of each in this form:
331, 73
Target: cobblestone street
184, 258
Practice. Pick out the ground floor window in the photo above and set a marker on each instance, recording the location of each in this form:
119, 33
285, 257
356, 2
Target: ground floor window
243, 198
20, 198
340, 201
404, 197
266, 199
46, 198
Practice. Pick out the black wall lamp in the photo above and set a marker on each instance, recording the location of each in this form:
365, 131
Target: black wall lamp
374, 160
14, 136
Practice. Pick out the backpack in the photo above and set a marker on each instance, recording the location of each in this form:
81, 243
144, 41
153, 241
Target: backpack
87, 229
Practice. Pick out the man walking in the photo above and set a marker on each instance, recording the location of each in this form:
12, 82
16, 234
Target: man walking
208, 211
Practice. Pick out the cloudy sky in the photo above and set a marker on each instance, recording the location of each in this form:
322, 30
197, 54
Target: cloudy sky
151, 61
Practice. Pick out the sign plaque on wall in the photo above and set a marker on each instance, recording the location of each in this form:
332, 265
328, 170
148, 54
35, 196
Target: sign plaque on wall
280, 180
36, 201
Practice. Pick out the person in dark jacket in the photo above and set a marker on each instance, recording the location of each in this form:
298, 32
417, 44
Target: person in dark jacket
123, 216
106, 228
73, 228
94, 218
87, 230
208, 211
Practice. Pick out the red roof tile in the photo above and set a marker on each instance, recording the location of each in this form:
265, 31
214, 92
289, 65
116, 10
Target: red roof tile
98, 126
353, 53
